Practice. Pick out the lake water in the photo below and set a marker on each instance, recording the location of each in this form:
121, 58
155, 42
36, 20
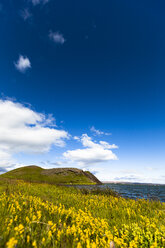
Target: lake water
133, 191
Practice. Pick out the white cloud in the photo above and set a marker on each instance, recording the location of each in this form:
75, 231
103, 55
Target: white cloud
92, 153
22, 64
24, 130
5, 158
57, 37
25, 14
76, 138
106, 145
98, 132
36, 2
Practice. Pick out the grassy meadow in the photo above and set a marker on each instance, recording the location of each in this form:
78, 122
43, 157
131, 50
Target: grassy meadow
43, 215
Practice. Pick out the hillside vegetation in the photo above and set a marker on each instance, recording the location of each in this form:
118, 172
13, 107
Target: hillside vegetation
46, 216
52, 176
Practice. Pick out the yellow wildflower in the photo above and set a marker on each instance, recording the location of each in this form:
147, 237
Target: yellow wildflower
34, 244
11, 243
28, 238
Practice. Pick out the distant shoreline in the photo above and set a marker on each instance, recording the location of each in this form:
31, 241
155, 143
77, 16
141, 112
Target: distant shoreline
116, 182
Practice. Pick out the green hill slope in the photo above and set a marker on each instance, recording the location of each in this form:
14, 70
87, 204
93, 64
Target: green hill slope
54, 176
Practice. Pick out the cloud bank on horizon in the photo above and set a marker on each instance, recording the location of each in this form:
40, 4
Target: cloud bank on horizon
23, 130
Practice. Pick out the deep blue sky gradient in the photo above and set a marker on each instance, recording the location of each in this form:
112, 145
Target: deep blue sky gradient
109, 73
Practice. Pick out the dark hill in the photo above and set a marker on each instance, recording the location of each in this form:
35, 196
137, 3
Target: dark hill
54, 176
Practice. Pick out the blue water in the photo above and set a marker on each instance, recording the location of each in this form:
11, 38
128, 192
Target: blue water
134, 191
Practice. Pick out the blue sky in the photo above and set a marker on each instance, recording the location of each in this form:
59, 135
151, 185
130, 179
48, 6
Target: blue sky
89, 65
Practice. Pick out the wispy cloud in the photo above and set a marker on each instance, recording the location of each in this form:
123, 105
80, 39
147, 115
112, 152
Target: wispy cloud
22, 64
52, 164
128, 178
98, 132
25, 14
92, 153
36, 2
57, 37
24, 130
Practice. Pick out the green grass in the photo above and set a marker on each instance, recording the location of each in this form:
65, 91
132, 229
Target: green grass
52, 176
